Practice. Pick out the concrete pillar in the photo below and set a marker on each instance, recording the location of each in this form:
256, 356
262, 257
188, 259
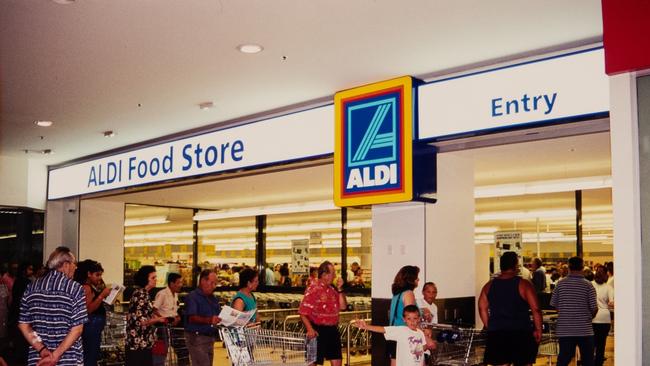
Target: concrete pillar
61, 226
628, 262
101, 236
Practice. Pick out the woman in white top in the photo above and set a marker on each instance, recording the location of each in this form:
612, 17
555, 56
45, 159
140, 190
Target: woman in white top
426, 304
602, 320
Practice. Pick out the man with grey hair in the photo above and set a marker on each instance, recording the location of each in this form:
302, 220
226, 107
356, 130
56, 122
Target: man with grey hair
52, 313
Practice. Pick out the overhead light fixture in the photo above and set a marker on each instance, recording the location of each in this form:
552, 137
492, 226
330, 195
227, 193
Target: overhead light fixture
109, 133
153, 220
64, 2
250, 48
265, 210
206, 105
524, 214
546, 186
42, 152
43, 123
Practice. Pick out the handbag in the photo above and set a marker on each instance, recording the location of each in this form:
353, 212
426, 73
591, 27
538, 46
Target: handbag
159, 348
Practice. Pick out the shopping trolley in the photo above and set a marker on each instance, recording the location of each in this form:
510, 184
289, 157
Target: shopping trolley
456, 346
549, 346
256, 346
176, 353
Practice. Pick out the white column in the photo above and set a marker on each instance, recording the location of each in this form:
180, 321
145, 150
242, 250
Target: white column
398, 233
101, 236
450, 229
61, 225
627, 222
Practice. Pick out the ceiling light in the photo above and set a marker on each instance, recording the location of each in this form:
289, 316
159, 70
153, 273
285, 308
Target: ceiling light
146, 221
265, 210
524, 214
109, 133
64, 2
206, 105
250, 48
547, 186
43, 123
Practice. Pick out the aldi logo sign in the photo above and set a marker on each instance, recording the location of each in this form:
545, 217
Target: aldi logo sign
373, 148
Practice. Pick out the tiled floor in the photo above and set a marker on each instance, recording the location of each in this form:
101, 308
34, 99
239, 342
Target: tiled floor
221, 357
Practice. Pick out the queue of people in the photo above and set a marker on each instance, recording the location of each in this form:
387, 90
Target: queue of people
61, 315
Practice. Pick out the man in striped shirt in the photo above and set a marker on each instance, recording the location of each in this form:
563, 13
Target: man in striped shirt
575, 300
52, 313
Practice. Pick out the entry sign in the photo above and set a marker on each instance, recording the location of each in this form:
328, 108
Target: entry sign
373, 143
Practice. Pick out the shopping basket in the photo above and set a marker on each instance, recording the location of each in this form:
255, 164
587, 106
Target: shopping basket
456, 346
256, 346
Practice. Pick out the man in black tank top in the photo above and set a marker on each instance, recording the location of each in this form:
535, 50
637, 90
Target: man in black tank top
504, 306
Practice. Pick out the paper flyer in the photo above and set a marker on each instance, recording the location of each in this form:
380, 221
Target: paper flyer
116, 289
233, 317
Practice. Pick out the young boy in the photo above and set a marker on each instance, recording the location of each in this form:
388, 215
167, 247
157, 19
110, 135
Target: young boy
411, 341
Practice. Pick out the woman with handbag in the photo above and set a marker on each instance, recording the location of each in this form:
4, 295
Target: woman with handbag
140, 321
406, 280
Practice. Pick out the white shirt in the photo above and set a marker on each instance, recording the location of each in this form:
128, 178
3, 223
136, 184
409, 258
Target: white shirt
423, 304
410, 345
166, 302
269, 277
604, 294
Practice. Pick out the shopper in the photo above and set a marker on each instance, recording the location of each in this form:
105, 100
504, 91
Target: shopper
575, 300
427, 305
244, 300
269, 278
319, 312
141, 320
52, 313
166, 305
285, 279
18, 343
602, 321
406, 280
538, 275
410, 339
504, 305
201, 316
89, 275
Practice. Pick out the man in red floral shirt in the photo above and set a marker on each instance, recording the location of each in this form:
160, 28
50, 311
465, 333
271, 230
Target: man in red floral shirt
319, 311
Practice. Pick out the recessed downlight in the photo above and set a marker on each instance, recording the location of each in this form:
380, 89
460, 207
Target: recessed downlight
206, 105
43, 123
64, 2
250, 48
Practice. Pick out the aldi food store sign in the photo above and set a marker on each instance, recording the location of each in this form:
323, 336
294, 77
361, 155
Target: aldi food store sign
373, 146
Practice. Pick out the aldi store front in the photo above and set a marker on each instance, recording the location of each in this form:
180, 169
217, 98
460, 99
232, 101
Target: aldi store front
402, 172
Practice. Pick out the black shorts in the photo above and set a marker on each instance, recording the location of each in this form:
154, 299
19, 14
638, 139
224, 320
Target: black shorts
391, 349
329, 343
505, 347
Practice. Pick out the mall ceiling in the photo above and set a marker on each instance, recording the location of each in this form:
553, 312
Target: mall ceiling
141, 68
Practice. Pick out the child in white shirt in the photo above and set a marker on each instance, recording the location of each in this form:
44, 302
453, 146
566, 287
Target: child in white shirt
411, 341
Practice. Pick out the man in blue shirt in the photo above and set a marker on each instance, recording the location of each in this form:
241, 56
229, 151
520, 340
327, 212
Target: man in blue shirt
201, 316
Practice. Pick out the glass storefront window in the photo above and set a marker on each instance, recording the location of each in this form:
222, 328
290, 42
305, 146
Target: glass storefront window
359, 243
597, 224
299, 241
546, 221
158, 236
227, 246
548, 225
